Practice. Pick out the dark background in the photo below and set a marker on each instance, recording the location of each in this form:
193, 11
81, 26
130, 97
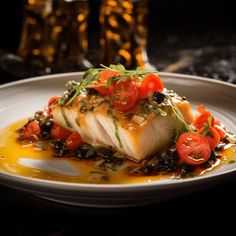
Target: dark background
164, 15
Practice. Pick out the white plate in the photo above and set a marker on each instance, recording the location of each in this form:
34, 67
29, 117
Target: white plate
21, 99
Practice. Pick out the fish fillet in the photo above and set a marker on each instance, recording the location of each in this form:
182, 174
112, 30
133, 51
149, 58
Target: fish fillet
131, 134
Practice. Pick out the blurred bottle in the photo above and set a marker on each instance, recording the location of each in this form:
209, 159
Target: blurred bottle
124, 33
54, 34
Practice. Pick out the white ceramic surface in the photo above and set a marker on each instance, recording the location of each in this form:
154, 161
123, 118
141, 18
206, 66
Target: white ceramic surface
21, 99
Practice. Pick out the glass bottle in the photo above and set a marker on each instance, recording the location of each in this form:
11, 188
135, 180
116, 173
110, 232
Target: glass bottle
124, 32
54, 34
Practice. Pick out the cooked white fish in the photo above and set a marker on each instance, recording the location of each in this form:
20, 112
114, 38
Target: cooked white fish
135, 133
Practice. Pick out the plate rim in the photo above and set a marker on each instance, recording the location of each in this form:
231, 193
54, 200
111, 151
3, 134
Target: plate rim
74, 187
62, 185
165, 74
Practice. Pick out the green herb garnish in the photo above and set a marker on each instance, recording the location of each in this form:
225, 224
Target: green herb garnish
68, 124
101, 175
209, 120
91, 75
90, 150
158, 111
111, 165
114, 119
231, 161
206, 130
178, 114
77, 121
124, 74
177, 132
144, 109
117, 131
76, 88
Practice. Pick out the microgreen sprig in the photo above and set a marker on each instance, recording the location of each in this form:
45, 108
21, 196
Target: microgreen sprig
124, 74
206, 127
91, 75
178, 114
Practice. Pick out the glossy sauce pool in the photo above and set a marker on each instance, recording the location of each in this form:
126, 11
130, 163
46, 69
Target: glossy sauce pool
29, 162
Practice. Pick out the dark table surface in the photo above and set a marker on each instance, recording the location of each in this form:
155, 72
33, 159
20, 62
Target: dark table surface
205, 53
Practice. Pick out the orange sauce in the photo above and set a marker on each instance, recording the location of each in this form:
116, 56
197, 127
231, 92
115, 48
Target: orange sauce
12, 154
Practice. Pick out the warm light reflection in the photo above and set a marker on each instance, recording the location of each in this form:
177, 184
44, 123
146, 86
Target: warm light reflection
54, 34
123, 32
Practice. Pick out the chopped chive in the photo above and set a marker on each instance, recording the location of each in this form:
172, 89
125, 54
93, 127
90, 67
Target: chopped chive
231, 161
68, 124
77, 121
117, 132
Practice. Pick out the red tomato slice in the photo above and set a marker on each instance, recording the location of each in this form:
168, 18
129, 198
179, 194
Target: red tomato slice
217, 122
212, 136
103, 90
203, 119
106, 74
100, 85
220, 131
150, 84
52, 100
31, 130
74, 140
201, 108
59, 132
125, 94
193, 149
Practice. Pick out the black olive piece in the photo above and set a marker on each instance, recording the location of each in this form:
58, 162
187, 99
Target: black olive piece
207, 164
168, 163
147, 170
85, 151
59, 149
91, 91
71, 93
158, 97
219, 146
81, 152
214, 155
105, 153
46, 127
186, 169
39, 116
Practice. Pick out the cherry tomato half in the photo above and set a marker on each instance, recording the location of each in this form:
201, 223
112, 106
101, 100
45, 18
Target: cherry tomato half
59, 132
150, 84
201, 108
193, 149
125, 94
31, 130
212, 136
52, 100
220, 131
74, 140
100, 85
203, 119
106, 74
